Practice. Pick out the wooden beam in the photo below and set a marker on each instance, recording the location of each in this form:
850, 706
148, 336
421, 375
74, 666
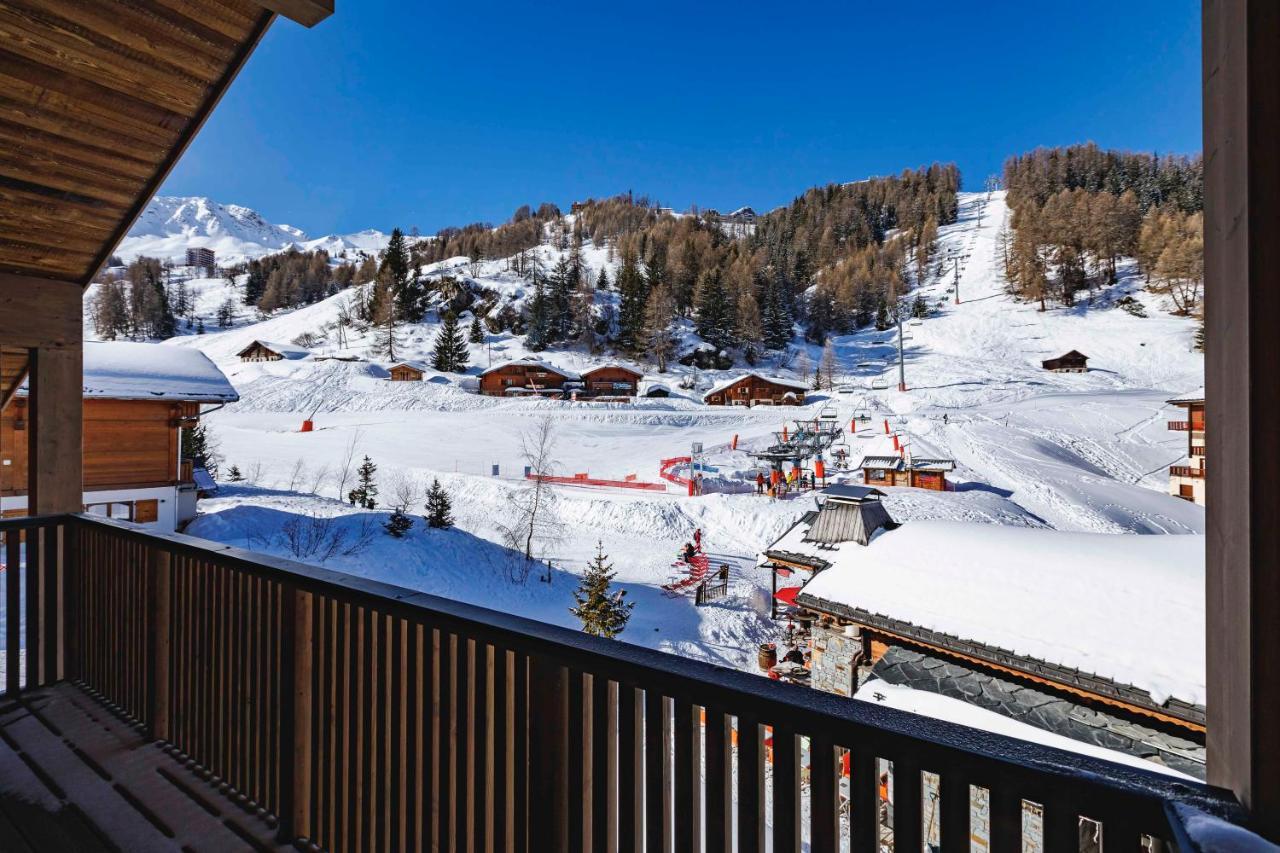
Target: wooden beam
40, 312
55, 457
305, 12
1242, 265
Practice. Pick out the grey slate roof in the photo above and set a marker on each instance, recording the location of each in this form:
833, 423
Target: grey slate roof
851, 492
842, 520
1039, 708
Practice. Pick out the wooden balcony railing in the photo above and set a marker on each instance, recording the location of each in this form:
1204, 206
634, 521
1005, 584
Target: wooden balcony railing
1197, 450
367, 716
1180, 426
1186, 471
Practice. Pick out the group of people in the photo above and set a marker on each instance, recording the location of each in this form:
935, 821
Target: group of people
792, 480
694, 548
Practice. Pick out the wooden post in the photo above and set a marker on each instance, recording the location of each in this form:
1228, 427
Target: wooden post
159, 640
299, 801
1242, 264
549, 750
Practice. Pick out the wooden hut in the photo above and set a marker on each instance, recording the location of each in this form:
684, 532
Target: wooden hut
920, 473
1071, 362
525, 376
753, 389
407, 371
611, 380
267, 351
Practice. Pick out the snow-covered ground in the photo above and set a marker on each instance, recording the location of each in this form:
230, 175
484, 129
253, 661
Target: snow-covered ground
1080, 452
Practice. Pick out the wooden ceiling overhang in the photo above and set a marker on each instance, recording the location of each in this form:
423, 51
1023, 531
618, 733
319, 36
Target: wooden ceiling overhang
98, 100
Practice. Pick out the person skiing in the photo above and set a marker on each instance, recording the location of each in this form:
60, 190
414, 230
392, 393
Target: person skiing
944, 418
759, 482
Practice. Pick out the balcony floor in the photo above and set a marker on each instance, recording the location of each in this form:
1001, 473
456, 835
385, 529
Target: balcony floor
73, 776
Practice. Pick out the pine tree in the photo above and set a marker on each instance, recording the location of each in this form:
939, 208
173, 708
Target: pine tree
603, 613
602, 281
562, 284
919, 307
659, 339
234, 475
1199, 338
776, 319
450, 352
398, 523
631, 304
256, 283
476, 333
198, 446
538, 336
439, 506
715, 314
365, 494
200, 326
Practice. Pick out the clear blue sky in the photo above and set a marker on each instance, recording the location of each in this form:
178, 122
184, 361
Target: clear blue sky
441, 113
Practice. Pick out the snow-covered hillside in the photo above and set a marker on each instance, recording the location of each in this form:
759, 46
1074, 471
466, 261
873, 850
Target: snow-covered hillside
172, 224
1080, 452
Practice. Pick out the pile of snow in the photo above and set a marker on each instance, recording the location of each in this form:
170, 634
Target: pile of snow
1127, 608
125, 370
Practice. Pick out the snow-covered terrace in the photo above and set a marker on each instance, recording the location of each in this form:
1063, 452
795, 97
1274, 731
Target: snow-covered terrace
126, 370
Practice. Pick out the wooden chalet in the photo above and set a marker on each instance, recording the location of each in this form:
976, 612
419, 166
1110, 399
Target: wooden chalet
267, 351
527, 377
161, 692
897, 470
137, 400
407, 371
1071, 362
1187, 479
756, 390
611, 380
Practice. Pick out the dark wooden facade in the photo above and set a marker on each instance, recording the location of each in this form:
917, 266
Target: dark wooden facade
611, 380
1071, 362
405, 373
753, 390
533, 377
914, 478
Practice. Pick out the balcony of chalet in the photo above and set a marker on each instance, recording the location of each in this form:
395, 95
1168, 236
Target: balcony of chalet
162, 692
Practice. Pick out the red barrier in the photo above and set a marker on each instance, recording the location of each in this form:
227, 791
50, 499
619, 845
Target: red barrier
584, 480
665, 466
734, 446
307, 426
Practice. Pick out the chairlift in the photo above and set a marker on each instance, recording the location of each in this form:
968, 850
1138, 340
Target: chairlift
916, 323
879, 385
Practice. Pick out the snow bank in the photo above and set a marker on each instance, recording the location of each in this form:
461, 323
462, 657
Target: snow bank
124, 370
1127, 608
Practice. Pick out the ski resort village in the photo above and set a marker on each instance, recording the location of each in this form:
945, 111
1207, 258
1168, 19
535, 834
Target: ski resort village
875, 520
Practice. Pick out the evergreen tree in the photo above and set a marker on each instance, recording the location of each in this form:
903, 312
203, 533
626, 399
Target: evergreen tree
256, 283
476, 333
450, 352
538, 336
603, 613
226, 311
919, 307
398, 523
199, 325
775, 319
439, 506
234, 475
631, 304
365, 494
715, 313
1199, 338
659, 314
199, 446
602, 280
562, 284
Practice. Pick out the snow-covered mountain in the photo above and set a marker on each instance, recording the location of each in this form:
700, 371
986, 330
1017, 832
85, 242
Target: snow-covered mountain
172, 224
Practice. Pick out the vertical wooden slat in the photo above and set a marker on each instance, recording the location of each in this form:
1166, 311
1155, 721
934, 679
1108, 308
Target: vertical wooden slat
548, 749
481, 731
577, 757
906, 804
1006, 819
955, 809
719, 787
522, 725
447, 741
35, 624
751, 792
824, 795
503, 768
601, 737
656, 795
398, 741
13, 593
630, 768
1061, 826
55, 552
463, 781
159, 642
687, 772
864, 824
297, 652
786, 790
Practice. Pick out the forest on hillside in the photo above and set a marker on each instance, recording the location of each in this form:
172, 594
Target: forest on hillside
1078, 210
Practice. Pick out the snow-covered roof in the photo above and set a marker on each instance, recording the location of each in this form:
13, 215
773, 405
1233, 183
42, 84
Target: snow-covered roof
286, 350
1194, 396
1127, 608
530, 361
612, 366
127, 370
729, 383
413, 365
